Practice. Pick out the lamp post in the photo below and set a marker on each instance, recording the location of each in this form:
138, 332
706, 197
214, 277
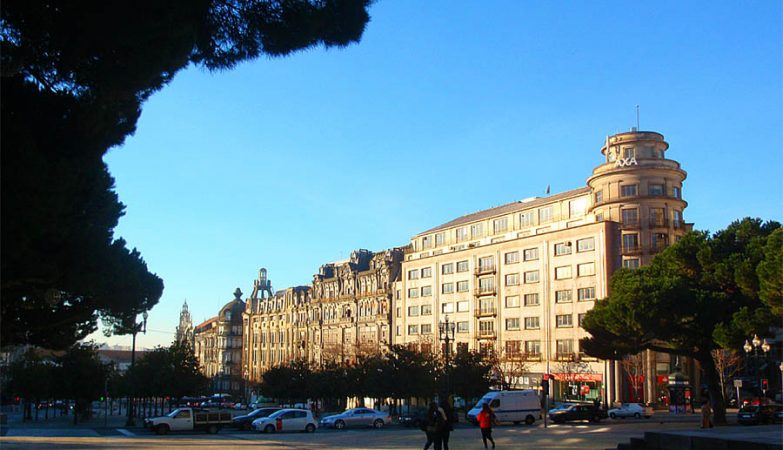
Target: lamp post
446, 335
753, 346
136, 328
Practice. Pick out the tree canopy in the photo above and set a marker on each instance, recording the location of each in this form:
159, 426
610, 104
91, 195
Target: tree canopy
700, 294
74, 78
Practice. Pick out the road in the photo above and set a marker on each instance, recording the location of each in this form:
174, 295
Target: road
606, 434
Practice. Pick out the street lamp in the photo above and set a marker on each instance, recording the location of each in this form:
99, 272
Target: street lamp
754, 346
136, 328
447, 329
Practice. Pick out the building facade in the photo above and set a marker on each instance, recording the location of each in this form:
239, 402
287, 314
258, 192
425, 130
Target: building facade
218, 347
185, 327
518, 279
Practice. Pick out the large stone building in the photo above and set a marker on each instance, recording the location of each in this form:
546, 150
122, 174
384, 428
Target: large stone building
218, 347
185, 327
518, 279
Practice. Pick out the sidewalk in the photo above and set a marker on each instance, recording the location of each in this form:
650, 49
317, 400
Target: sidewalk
63, 425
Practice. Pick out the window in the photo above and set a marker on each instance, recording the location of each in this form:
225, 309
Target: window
580, 319
512, 323
628, 190
462, 266
655, 189
564, 321
447, 308
630, 217
530, 254
676, 192
413, 274
413, 293
512, 279
426, 310
531, 299
531, 323
486, 328
566, 296
562, 272
599, 197
586, 269
545, 215
531, 276
563, 248
512, 301
426, 291
413, 311
513, 348
500, 225
577, 208
632, 263
426, 272
447, 288
677, 218
659, 241
413, 329
426, 242
526, 219
630, 242
533, 347
463, 306
565, 346
462, 327
486, 263
398, 312
426, 328
628, 153
585, 245
462, 234
476, 230
398, 330
511, 257
486, 285
447, 268
462, 286
657, 217
440, 239
587, 293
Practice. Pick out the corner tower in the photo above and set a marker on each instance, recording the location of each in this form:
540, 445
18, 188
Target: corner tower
639, 188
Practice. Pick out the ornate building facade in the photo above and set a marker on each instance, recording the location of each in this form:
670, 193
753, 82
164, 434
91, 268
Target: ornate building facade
185, 327
218, 347
518, 279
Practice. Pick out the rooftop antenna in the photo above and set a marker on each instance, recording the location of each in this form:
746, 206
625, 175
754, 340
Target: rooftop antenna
637, 118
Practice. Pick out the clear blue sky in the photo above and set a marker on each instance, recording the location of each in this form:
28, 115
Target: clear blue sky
444, 108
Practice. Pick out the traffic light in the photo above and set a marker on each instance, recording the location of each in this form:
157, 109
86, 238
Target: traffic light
764, 384
545, 386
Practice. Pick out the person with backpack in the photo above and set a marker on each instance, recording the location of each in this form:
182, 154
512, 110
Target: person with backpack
450, 418
486, 418
434, 426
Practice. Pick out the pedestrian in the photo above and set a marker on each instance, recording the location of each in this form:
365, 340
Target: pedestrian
434, 427
449, 416
706, 415
486, 418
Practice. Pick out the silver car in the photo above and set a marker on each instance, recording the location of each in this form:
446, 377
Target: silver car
357, 417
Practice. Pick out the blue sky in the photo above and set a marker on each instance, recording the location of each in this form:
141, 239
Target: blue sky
444, 108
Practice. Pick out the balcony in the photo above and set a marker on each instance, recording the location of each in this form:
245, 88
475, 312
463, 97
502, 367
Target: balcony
567, 356
659, 222
631, 250
486, 311
487, 334
531, 356
485, 269
629, 224
485, 290
658, 247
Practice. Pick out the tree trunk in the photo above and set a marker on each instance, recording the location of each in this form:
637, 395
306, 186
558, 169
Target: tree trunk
713, 387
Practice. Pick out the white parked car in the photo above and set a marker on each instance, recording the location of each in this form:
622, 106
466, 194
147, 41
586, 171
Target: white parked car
290, 419
636, 410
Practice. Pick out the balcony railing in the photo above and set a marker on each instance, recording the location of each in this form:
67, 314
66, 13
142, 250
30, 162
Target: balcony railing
658, 247
485, 269
631, 250
659, 222
486, 334
486, 311
628, 224
485, 290
531, 356
567, 356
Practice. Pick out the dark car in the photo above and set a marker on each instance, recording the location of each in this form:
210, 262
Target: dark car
413, 418
245, 422
577, 412
758, 414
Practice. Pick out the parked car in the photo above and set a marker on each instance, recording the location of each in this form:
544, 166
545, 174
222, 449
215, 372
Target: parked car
414, 418
357, 417
189, 419
245, 422
577, 412
289, 419
758, 414
636, 410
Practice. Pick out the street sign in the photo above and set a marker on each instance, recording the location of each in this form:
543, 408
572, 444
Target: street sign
738, 383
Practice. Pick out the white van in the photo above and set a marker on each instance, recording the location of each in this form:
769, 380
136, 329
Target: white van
510, 406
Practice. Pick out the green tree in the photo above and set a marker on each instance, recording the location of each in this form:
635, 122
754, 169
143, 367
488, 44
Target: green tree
74, 78
770, 273
474, 371
82, 377
30, 377
700, 294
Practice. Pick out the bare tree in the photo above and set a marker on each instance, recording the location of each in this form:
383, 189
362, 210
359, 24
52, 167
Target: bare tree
633, 365
508, 366
572, 369
727, 364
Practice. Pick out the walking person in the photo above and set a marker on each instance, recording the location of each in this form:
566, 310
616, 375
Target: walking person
706, 415
486, 418
434, 427
449, 417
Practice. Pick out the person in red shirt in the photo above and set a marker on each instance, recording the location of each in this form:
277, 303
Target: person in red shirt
486, 418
